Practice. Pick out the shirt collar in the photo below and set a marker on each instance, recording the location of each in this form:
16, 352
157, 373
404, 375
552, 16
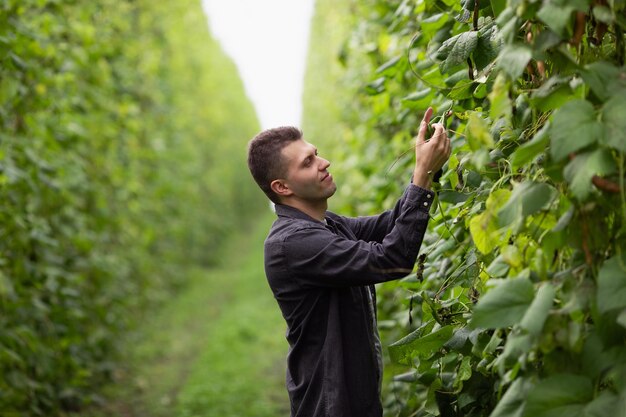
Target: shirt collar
283, 210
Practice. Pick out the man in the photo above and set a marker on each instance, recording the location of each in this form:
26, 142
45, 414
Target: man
321, 268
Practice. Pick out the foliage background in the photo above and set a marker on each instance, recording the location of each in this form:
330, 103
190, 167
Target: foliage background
119, 144
517, 305
122, 138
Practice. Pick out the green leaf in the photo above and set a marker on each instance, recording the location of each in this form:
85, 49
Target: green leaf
499, 99
513, 400
498, 268
511, 255
8, 90
513, 60
498, 6
463, 373
456, 50
603, 14
538, 311
531, 149
460, 75
6, 286
621, 318
557, 14
612, 284
493, 344
606, 404
580, 171
599, 76
461, 91
484, 227
480, 91
614, 117
418, 95
469, 4
560, 395
434, 22
517, 345
533, 196
389, 67
376, 87
573, 127
413, 345
558, 18
504, 305
477, 132
488, 46
553, 93
419, 99
459, 338
431, 405
564, 220
594, 359
453, 197
546, 39
527, 198
484, 230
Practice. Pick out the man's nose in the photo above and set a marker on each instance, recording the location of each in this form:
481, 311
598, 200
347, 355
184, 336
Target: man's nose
324, 164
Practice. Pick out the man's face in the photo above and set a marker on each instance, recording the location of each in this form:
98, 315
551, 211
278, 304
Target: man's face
307, 175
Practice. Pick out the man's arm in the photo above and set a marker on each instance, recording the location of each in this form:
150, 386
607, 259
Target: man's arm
317, 257
375, 228
430, 155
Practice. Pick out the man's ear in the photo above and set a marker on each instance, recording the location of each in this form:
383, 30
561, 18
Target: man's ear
281, 188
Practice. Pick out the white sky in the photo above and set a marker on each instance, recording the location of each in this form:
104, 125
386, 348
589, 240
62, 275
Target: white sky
268, 40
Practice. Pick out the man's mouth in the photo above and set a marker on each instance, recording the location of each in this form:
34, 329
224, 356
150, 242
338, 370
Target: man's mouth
325, 177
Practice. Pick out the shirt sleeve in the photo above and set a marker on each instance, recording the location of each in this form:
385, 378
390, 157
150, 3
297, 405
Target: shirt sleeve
317, 257
375, 228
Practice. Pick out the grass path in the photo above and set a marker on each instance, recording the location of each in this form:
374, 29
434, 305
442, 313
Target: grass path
217, 349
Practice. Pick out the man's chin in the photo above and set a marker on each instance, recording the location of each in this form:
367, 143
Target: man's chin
332, 190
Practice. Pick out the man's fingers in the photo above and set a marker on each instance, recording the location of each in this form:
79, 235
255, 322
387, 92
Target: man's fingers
427, 115
446, 146
438, 131
421, 134
441, 141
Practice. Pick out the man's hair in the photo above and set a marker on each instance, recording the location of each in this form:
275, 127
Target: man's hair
265, 159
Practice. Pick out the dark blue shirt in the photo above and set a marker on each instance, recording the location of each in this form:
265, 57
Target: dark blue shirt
322, 275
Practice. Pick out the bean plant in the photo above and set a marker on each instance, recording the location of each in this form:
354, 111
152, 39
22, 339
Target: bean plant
517, 306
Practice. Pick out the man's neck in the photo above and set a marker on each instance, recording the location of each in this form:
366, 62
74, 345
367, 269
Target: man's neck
317, 210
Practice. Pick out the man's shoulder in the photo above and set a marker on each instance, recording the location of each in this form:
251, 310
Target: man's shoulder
284, 227
335, 216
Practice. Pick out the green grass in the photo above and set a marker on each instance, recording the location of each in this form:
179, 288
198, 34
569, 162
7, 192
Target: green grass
216, 349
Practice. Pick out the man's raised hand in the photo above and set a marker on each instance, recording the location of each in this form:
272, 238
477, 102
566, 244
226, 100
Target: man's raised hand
430, 153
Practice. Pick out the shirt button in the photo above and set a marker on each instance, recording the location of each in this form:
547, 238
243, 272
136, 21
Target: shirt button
428, 196
426, 203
